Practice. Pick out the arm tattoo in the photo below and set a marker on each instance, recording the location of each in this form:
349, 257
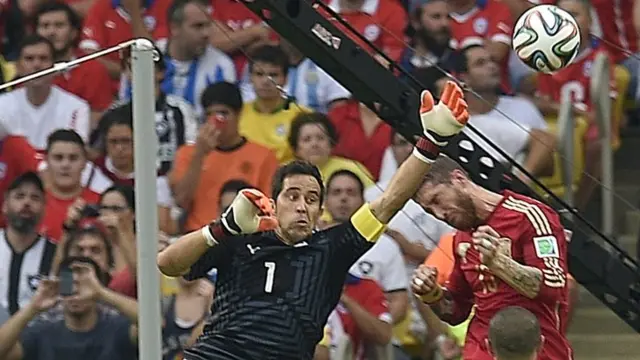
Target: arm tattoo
524, 279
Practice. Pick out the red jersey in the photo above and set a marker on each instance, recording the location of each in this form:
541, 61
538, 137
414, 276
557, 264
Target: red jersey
615, 18
107, 24
55, 213
368, 294
575, 78
348, 123
88, 81
537, 239
123, 282
236, 16
17, 157
382, 22
488, 21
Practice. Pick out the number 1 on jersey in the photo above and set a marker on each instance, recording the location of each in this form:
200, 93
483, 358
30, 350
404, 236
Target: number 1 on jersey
271, 271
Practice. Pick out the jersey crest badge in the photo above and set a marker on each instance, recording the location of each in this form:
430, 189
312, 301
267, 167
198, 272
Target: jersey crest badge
371, 32
480, 25
150, 22
546, 247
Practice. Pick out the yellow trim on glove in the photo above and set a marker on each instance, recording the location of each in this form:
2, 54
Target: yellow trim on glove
326, 339
434, 296
367, 224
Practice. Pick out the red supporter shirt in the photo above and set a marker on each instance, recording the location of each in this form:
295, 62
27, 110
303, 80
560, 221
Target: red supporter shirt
537, 239
56, 212
17, 157
616, 23
382, 22
346, 119
104, 165
489, 20
236, 16
575, 78
88, 81
107, 25
124, 283
368, 294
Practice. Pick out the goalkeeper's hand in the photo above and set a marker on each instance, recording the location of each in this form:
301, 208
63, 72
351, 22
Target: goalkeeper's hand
250, 212
425, 284
440, 122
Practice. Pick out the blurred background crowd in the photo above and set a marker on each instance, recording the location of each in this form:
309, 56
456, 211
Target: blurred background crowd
234, 100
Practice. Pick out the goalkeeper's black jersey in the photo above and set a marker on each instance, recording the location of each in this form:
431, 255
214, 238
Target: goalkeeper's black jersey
272, 300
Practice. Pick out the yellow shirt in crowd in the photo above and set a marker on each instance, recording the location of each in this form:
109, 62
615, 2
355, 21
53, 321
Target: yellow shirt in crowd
270, 130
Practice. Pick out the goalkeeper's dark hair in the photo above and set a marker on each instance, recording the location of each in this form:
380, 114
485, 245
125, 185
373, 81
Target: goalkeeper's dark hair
348, 173
514, 333
441, 169
296, 167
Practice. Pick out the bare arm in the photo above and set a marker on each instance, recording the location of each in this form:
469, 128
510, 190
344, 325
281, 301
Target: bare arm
229, 41
177, 258
539, 160
10, 347
372, 328
322, 353
416, 252
398, 305
524, 279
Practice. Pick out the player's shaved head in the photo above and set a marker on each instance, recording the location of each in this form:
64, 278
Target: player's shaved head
514, 334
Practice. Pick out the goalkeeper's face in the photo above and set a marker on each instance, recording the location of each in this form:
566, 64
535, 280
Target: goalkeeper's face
298, 207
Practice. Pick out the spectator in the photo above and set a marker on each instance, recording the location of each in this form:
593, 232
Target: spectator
307, 83
117, 162
228, 192
26, 254
431, 37
576, 78
39, 107
514, 334
382, 22
267, 119
362, 315
7, 69
86, 237
383, 263
66, 158
219, 154
356, 124
16, 23
58, 23
487, 23
528, 138
238, 31
192, 63
312, 137
18, 157
111, 22
79, 323
183, 312
398, 151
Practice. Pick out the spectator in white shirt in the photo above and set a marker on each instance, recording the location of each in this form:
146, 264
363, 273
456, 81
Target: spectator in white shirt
307, 83
193, 64
39, 108
513, 124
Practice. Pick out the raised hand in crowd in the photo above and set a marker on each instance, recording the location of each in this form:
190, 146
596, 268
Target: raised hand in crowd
86, 283
47, 295
207, 139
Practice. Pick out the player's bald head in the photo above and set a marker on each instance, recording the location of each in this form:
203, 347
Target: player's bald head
514, 334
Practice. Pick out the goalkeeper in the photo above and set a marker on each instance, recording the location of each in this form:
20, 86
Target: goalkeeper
278, 280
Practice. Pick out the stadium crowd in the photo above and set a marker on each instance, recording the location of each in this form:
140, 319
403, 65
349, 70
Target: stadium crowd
223, 124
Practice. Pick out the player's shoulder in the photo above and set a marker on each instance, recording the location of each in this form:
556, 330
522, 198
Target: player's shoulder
524, 210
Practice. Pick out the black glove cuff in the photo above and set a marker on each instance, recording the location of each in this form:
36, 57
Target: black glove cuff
427, 148
218, 230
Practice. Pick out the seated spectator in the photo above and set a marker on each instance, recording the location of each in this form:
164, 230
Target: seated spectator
18, 157
487, 23
66, 158
383, 263
192, 63
182, 314
356, 124
312, 138
431, 36
576, 78
494, 116
39, 107
26, 255
111, 22
219, 155
307, 83
382, 22
92, 318
267, 119
362, 315
16, 22
238, 31
58, 23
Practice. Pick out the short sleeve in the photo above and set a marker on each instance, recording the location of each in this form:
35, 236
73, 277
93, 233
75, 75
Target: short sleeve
93, 36
180, 164
394, 277
376, 302
533, 116
333, 90
501, 24
219, 257
393, 34
81, 123
544, 85
98, 99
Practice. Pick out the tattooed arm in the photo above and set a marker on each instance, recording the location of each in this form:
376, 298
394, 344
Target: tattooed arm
524, 279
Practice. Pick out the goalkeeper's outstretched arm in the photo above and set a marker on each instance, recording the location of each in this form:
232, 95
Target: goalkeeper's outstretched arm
440, 123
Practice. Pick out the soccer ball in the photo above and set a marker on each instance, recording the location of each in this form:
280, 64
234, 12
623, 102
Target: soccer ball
546, 38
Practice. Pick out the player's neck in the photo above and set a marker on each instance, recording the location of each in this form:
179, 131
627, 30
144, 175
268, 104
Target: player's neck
65, 55
81, 323
485, 201
269, 106
230, 142
461, 7
38, 94
64, 193
177, 53
20, 242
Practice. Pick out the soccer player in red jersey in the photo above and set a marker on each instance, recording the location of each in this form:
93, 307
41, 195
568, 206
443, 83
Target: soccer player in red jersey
483, 22
514, 334
510, 250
